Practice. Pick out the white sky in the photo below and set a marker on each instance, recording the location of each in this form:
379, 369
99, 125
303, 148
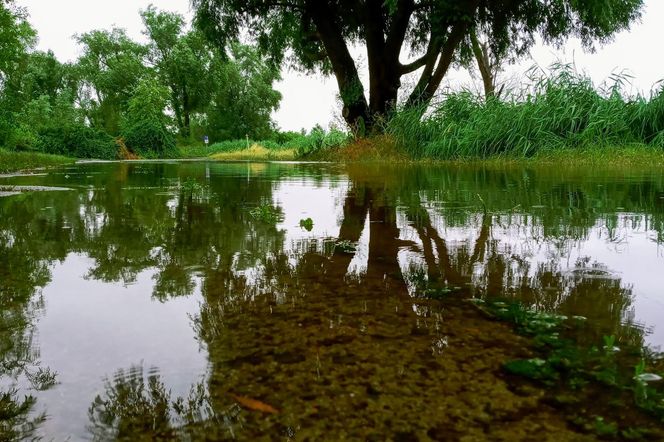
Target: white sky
311, 99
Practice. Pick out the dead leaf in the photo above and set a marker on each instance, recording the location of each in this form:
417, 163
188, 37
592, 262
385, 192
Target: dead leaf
255, 405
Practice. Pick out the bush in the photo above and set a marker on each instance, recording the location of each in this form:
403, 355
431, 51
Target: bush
77, 141
318, 139
149, 138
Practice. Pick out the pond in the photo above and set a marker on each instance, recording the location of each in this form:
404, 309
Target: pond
202, 300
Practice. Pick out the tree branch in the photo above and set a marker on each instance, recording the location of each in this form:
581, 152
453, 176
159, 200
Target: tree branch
397, 32
414, 65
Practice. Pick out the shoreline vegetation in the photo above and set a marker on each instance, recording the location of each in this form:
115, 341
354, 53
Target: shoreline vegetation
11, 161
376, 150
558, 118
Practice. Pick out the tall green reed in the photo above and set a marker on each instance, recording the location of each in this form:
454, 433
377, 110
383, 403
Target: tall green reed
560, 110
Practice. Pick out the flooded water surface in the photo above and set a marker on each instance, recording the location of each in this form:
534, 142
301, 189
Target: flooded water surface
209, 301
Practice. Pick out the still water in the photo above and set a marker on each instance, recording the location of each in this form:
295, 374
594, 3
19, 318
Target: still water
202, 300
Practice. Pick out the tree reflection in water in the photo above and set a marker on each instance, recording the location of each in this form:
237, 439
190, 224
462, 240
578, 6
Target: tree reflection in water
291, 317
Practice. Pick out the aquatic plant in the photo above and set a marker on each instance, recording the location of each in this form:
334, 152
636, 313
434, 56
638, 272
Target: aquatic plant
307, 224
344, 246
267, 214
42, 379
564, 363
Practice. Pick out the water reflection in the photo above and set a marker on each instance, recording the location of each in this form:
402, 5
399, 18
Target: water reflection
330, 325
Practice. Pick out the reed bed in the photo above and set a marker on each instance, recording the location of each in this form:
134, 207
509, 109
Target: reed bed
561, 111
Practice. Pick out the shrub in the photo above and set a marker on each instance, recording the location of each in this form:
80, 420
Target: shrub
318, 139
77, 141
149, 138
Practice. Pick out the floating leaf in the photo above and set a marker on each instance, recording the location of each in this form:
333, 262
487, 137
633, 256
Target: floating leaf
648, 377
254, 405
307, 224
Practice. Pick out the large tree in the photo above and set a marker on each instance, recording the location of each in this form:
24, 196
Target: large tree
319, 34
16, 36
182, 60
110, 68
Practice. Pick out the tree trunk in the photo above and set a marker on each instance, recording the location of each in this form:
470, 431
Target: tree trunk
431, 78
355, 109
187, 114
481, 53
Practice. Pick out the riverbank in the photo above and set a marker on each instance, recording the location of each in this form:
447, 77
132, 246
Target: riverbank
382, 149
11, 161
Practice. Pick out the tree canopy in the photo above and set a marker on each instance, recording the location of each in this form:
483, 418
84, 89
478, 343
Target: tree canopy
177, 83
318, 34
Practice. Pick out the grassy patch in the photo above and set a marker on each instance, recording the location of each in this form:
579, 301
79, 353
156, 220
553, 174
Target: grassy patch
285, 146
256, 153
16, 161
373, 149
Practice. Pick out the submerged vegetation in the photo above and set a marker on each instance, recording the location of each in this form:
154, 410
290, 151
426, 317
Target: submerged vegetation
574, 372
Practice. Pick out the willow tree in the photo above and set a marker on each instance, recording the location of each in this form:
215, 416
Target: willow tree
319, 33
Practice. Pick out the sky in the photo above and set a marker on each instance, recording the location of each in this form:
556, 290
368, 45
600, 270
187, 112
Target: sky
310, 99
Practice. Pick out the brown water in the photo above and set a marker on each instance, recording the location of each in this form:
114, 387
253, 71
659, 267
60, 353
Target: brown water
188, 300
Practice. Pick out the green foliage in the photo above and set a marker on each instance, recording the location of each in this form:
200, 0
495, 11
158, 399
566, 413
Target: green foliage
77, 141
318, 139
121, 87
307, 224
244, 98
110, 68
563, 110
145, 128
16, 36
149, 138
182, 61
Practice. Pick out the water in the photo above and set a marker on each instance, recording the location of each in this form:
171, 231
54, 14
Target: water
187, 300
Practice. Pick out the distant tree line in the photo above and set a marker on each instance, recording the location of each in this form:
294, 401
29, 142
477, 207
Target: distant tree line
120, 92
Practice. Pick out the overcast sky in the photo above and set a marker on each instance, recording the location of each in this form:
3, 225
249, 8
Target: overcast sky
311, 99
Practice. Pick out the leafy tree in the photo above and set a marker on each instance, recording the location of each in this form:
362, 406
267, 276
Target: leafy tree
110, 68
230, 96
244, 98
16, 36
38, 94
145, 128
182, 60
318, 33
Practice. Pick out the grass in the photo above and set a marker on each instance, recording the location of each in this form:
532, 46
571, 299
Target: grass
562, 114
11, 161
283, 147
256, 153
